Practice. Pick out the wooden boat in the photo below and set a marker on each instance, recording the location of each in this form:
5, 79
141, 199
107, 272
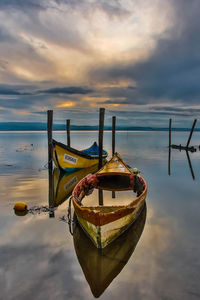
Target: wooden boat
101, 266
102, 223
69, 159
63, 183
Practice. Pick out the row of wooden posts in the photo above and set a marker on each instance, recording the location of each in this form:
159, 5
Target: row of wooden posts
101, 129
50, 150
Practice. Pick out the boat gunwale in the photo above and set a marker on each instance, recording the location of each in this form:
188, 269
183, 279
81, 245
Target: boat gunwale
125, 210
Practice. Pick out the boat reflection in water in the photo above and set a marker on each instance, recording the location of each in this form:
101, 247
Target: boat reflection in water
101, 266
63, 183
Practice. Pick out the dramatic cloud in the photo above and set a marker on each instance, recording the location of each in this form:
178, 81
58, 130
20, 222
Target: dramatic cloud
124, 55
172, 71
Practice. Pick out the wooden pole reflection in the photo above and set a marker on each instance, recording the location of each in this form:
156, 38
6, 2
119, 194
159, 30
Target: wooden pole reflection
191, 132
50, 158
51, 194
100, 197
190, 165
113, 194
169, 162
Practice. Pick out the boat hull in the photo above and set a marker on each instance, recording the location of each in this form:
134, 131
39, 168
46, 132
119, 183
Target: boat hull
101, 266
103, 235
69, 159
104, 223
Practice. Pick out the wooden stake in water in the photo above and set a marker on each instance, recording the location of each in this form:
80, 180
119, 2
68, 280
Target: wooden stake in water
113, 134
191, 132
170, 130
49, 134
50, 158
169, 154
68, 132
101, 126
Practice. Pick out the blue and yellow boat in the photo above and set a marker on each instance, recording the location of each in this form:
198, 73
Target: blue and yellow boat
69, 159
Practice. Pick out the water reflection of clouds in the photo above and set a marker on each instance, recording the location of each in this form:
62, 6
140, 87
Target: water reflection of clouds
36, 259
31, 189
140, 275
37, 256
37, 272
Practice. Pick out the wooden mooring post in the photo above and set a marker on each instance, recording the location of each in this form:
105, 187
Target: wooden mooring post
191, 132
101, 126
68, 132
180, 147
170, 132
113, 134
49, 134
113, 143
169, 154
50, 158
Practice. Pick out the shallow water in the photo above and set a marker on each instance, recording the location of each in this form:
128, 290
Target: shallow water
38, 259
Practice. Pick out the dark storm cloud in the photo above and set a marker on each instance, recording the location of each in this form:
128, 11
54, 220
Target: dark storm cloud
154, 112
111, 8
68, 90
167, 109
31, 90
173, 70
125, 101
21, 4
26, 15
10, 90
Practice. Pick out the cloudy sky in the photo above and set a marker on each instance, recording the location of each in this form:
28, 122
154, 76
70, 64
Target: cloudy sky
140, 59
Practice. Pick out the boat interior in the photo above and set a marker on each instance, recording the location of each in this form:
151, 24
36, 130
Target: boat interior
114, 182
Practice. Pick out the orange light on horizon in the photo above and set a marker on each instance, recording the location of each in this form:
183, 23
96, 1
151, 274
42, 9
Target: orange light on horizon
22, 112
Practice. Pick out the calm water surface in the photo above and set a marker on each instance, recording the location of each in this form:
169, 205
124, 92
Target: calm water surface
40, 259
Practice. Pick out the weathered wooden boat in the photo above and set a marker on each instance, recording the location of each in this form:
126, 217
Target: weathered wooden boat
104, 223
69, 159
101, 266
63, 183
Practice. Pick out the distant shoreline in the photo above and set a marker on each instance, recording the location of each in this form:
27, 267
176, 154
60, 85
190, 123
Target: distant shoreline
122, 130
38, 126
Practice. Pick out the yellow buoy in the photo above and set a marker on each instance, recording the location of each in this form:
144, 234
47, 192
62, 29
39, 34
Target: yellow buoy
20, 206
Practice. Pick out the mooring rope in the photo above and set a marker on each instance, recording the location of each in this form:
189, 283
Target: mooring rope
70, 220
